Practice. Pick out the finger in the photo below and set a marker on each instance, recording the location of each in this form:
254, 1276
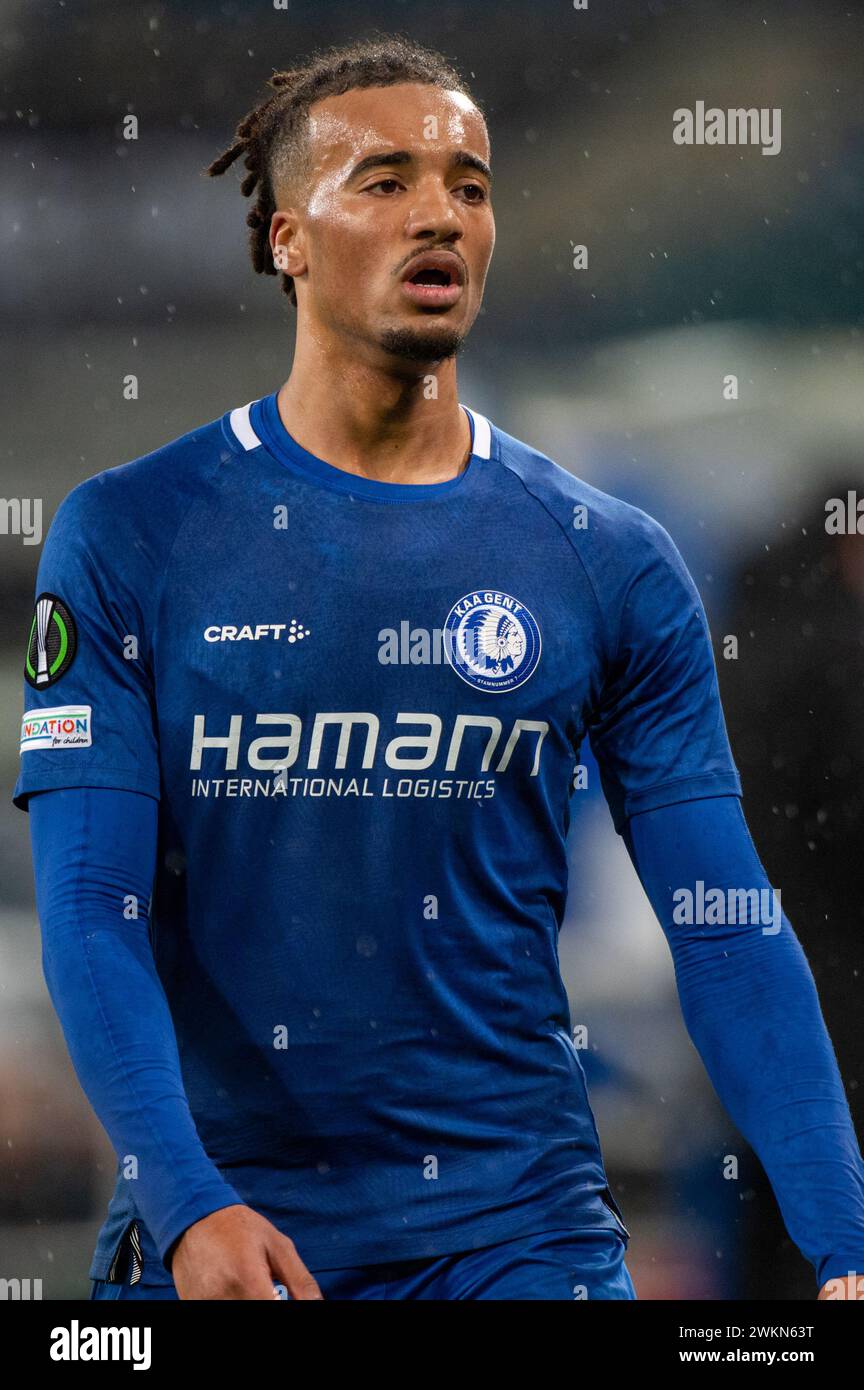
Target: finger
288, 1269
251, 1281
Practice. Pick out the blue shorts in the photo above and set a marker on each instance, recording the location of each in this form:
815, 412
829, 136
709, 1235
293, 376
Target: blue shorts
572, 1265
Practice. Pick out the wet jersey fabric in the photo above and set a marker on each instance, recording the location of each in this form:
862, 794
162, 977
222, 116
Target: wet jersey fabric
555, 1265
745, 993
360, 708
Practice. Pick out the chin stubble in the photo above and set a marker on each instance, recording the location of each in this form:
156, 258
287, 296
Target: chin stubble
418, 345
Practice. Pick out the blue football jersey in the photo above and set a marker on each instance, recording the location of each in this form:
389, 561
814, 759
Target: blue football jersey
361, 706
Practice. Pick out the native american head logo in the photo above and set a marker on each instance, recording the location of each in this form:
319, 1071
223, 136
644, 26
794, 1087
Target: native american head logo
493, 641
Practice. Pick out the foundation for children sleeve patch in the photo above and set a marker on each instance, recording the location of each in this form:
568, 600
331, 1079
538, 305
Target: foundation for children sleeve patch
52, 643
67, 726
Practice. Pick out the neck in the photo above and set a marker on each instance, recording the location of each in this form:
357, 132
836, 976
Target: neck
360, 415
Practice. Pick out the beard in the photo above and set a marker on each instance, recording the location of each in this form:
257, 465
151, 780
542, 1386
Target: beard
421, 344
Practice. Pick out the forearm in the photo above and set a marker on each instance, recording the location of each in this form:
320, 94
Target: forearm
101, 976
751, 1007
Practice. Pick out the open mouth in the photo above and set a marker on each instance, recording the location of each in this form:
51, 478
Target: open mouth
432, 277
436, 283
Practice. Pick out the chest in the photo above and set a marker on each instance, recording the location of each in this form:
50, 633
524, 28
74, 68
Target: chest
380, 652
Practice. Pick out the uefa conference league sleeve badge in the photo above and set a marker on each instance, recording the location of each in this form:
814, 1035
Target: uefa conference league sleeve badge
52, 643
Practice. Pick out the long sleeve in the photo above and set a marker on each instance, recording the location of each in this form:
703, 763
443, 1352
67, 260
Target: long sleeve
94, 854
750, 1005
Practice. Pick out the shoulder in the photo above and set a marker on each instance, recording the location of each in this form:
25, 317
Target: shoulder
165, 479
613, 538
112, 537
140, 505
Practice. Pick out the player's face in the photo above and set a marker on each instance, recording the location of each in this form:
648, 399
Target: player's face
393, 176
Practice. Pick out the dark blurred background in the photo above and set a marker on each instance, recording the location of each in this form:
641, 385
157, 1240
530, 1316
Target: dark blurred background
703, 262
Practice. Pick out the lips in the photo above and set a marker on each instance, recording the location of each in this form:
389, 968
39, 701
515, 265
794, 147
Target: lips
435, 268
434, 279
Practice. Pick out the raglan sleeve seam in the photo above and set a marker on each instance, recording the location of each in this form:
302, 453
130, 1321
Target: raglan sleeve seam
611, 650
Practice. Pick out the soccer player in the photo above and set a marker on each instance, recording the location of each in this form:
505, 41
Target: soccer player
305, 693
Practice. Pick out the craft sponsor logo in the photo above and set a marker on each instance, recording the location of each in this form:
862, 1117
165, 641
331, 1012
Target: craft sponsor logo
67, 726
245, 632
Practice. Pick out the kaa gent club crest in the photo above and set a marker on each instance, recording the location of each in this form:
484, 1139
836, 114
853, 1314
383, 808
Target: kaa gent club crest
491, 640
52, 643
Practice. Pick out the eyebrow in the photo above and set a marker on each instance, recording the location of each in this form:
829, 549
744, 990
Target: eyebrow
461, 159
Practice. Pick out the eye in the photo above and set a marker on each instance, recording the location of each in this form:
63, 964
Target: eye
478, 188
379, 183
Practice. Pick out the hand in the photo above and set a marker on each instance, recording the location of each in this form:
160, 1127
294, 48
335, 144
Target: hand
851, 1287
236, 1254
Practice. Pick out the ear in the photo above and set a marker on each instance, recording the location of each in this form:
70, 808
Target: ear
286, 242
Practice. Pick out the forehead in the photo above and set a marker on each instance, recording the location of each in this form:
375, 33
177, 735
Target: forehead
346, 127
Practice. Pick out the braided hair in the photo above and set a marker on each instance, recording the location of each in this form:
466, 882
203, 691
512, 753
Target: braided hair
272, 137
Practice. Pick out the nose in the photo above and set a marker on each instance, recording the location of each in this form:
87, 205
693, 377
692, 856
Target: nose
434, 212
